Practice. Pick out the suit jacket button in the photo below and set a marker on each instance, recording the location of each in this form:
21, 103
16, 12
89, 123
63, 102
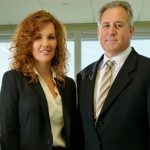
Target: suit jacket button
100, 124
48, 141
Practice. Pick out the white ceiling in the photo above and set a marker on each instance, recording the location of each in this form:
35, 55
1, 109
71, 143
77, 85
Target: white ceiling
67, 11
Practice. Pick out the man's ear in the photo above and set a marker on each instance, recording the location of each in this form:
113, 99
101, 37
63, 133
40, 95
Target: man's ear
98, 32
131, 30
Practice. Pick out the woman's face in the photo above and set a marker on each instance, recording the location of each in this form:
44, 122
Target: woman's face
45, 44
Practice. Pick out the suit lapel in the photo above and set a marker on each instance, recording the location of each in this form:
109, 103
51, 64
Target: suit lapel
88, 80
66, 104
122, 80
42, 100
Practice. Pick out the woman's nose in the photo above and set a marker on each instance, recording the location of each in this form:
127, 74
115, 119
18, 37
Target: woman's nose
45, 42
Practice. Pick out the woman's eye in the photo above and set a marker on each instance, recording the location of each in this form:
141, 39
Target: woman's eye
38, 37
51, 37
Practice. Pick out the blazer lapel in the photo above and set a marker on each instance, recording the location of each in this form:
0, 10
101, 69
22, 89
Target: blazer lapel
122, 80
66, 104
42, 100
88, 80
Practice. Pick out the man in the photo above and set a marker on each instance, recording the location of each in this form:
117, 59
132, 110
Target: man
115, 115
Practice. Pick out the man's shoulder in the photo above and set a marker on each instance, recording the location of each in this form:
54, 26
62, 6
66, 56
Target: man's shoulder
144, 61
88, 69
89, 66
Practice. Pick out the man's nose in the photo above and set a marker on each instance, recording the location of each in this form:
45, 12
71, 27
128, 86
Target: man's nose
112, 30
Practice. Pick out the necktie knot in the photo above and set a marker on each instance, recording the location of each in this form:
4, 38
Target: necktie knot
109, 65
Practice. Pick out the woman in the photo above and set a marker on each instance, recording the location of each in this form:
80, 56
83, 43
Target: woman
37, 100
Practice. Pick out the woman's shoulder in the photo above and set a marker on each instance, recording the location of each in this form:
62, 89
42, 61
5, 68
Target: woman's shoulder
69, 79
69, 82
13, 73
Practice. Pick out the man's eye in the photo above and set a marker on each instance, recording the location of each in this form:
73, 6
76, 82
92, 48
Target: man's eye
118, 25
105, 26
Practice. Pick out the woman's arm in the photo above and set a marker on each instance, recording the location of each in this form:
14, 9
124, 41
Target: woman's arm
9, 113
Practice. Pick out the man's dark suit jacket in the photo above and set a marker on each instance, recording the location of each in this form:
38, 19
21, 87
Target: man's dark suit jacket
124, 121
25, 122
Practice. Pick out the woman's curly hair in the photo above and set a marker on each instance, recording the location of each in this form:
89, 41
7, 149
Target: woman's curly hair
22, 58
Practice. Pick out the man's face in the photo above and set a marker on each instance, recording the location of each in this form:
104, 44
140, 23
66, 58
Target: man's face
114, 31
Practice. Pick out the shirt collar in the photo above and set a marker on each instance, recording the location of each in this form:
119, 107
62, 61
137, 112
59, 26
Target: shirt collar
53, 74
120, 58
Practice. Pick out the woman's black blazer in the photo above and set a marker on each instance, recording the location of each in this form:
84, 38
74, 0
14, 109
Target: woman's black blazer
24, 117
